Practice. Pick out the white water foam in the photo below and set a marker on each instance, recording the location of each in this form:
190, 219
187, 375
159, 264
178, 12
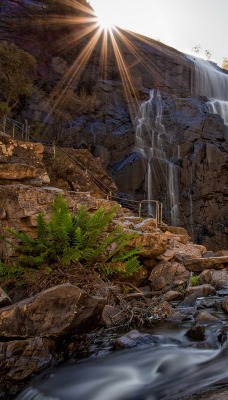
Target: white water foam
153, 142
212, 82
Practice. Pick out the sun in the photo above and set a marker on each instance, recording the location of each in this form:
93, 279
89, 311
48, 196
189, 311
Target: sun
105, 22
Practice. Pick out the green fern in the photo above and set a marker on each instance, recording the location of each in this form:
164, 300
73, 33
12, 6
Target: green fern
84, 238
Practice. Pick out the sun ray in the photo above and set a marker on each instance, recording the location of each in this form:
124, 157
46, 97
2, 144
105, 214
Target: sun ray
127, 81
74, 72
104, 56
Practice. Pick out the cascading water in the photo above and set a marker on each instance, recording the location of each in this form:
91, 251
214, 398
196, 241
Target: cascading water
212, 82
155, 146
142, 374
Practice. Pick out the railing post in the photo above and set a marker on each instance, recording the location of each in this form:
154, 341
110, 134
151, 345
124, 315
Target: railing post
4, 125
161, 213
157, 213
13, 131
54, 151
140, 209
26, 131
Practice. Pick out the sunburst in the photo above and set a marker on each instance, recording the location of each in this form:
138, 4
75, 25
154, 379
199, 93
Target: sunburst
101, 29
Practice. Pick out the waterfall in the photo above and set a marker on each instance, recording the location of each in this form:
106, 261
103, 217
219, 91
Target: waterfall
212, 82
153, 142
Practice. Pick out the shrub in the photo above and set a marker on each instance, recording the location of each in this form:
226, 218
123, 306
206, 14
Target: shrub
84, 238
195, 280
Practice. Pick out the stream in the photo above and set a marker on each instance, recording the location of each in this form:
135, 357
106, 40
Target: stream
165, 365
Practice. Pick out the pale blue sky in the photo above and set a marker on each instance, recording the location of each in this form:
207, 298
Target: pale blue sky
179, 23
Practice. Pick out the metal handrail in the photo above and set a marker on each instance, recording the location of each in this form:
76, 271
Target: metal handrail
15, 128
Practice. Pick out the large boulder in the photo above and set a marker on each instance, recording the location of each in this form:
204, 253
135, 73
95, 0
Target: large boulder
168, 273
218, 279
150, 245
53, 312
202, 290
21, 358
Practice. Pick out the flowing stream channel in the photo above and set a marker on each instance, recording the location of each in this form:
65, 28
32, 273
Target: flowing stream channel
166, 366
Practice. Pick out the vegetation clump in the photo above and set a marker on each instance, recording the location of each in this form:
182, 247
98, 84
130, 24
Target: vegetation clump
16, 75
195, 280
66, 239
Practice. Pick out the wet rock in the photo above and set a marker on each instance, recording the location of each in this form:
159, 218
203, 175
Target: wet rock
218, 279
54, 311
206, 318
4, 299
190, 300
223, 335
111, 316
225, 304
172, 295
135, 338
202, 290
21, 358
196, 333
179, 317
206, 303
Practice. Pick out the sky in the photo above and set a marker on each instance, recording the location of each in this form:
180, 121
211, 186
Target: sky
181, 24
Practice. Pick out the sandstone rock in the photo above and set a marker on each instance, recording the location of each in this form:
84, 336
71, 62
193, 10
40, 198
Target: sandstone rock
200, 264
202, 290
147, 225
179, 231
189, 250
221, 253
179, 238
138, 278
22, 161
166, 273
167, 256
55, 311
218, 279
150, 262
196, 333
151, 244
206, 318
21, 358
4, 299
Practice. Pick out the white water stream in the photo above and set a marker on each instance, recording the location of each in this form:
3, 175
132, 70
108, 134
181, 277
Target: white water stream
153, 142
140, 374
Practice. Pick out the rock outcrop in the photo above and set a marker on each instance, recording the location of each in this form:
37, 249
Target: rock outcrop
21, 162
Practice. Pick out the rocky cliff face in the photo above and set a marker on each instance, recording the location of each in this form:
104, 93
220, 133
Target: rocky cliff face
196, 137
